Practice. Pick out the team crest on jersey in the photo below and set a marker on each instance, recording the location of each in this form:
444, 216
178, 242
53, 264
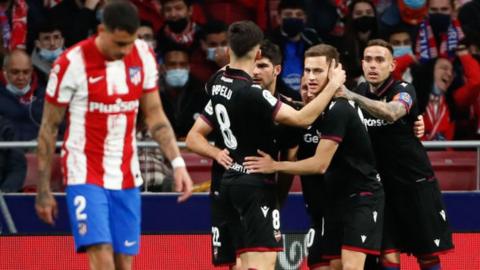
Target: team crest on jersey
135, 75
268, 96
277, 235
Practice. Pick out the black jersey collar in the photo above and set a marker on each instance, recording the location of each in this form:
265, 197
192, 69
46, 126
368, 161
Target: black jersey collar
237, 74
385, 86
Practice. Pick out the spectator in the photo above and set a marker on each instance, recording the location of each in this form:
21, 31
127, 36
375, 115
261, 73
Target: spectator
403, 53
212, 54
183, 97
230, 11
360, 27
77, 18
145, 32
49, 44
470, 19
22, 97
443, 101
439, 34
13, 165
405, 13
179, 29
294, 39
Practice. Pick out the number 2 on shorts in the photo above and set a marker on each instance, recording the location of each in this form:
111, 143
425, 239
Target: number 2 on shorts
80, 203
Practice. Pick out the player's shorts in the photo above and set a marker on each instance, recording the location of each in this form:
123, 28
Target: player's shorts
415, 219
251, 212
355, 225
225, 236
315, 247
102, 216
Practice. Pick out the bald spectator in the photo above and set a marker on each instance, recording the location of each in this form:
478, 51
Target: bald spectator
21, 98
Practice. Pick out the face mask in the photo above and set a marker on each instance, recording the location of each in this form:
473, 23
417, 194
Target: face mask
401, 50
177, 26
99, 15
50, 55
439, 23
414, 4
293, 26
176, 77
17, 91
365, 23
435, 91
211, 52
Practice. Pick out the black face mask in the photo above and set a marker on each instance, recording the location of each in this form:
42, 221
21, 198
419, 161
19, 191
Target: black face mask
177, 26
365, 23
293, 26
439, 23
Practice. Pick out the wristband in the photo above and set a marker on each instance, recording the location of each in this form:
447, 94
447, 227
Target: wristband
178, 162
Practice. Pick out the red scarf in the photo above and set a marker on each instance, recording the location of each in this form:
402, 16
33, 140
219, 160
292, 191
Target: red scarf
437, 120
427, 48
19, 25
185, 38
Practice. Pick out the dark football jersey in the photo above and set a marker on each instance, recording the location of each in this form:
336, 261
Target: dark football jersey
312, 185
244, 116
400, 154
352, 169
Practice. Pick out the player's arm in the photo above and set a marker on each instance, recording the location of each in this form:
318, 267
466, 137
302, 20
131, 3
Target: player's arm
307, 115
198, 143
45, 204
317, 164
163, 134
388, 111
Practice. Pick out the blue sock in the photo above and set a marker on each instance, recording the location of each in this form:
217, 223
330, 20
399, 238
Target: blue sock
390, 266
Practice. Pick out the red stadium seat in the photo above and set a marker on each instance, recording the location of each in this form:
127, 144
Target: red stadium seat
199, 167
455, 170
31, 179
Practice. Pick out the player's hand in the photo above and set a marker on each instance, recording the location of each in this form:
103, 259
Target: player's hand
46, 207
91, 4
262, 164
183, 183
224, 159
419, 127
336, 74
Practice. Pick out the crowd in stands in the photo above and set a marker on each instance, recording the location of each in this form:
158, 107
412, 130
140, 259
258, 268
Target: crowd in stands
436, 45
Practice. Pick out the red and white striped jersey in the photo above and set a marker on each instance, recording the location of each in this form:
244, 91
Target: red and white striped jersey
103, 99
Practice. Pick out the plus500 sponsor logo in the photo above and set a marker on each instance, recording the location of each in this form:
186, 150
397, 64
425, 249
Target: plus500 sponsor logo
118, 106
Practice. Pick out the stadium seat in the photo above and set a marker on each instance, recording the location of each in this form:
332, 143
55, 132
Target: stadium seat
455, 170
31, 179
198, 167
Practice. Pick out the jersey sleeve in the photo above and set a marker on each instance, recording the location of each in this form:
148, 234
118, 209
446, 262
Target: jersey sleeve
62, 81
150, 80
263, 102
207, 114
336, 120
405, 94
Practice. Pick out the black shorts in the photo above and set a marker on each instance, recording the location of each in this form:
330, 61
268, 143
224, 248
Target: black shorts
355, 225
314, 240
224, 237
250, 213
415, 219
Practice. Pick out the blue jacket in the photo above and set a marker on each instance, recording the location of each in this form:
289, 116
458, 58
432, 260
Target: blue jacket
25, 116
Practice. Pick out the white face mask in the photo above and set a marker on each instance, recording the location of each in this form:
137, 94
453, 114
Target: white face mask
17, 91
177, 77
50, 55
211, 51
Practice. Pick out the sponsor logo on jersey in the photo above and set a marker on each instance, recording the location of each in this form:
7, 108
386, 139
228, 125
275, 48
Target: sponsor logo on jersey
135, 75
309, 138
374, 122
268, 96
117, 107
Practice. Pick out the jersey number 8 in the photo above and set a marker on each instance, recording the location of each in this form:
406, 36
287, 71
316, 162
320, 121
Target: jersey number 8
224, 122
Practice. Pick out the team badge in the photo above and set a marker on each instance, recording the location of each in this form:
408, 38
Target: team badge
278, 235
135, 75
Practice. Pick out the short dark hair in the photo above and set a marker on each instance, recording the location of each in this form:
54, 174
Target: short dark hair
47, 27
187, 2
213, 27
326, 50
121, 15
271, 51
381, 43
243, 36
291, 4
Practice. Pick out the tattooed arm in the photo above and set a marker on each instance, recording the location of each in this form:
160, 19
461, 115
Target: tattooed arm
391, 111
45, 203
162, 133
